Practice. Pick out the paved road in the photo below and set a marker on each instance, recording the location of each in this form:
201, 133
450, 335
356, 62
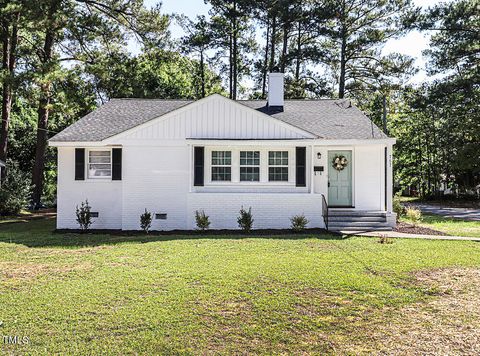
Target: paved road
460, 213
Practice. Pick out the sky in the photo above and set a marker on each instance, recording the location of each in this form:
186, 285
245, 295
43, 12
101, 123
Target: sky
412, 44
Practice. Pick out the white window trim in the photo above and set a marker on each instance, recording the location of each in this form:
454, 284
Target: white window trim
236, 166
87, 160
278, 166
210, 157
250, 165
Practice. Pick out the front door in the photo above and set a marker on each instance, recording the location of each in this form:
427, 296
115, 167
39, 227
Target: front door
340, 178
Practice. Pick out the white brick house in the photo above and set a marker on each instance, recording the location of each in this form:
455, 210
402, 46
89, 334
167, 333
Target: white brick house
174, 157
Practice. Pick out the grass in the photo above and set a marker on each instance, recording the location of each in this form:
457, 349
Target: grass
102, 294
450, 226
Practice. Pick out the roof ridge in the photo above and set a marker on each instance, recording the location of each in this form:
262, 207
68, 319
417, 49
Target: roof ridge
150, 99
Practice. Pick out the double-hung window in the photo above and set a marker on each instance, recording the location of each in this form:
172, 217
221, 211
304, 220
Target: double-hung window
99, 164
221, 166
278, 166
249, 166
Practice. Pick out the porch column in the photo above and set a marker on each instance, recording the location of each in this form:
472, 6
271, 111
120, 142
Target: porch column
389, 181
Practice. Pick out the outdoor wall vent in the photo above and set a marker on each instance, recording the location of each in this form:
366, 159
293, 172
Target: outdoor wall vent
94, 214
161, 216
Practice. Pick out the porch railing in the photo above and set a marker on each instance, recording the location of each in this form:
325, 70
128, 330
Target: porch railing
325, 211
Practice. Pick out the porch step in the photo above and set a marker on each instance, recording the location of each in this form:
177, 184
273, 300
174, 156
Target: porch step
357, 220
346, 218
356, 213
342, 225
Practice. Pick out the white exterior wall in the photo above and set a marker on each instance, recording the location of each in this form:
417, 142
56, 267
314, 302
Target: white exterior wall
269, 210
157, 173
156, 178
104, 196
369, 178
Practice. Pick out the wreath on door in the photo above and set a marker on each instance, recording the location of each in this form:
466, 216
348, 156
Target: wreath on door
340, 162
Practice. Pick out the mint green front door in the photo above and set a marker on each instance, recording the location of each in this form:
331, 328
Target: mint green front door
340, 181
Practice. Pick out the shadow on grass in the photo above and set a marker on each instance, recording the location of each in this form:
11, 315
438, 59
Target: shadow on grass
42, 233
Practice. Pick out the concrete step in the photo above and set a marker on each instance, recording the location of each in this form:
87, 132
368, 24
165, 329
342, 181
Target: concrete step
344, 218
356, 213
355, 224
359, 230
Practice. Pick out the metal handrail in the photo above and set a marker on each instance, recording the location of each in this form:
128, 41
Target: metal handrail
325, 211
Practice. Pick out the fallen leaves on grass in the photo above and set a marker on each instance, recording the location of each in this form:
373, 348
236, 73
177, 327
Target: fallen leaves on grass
447, 324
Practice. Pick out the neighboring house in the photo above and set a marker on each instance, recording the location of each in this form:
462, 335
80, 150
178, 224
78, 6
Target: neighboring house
174, 157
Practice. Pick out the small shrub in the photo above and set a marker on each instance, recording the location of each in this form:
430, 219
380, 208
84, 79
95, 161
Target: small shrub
146, 221
84, 216
413, 215
398, 207
245, 220
202, 220
298, 223
14, 191
384, 239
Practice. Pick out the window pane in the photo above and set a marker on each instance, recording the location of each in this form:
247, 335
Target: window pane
97, 171
221, 174
278, 158
249, 174
278, 174
221, 158
99, 164
249, 158
100, 159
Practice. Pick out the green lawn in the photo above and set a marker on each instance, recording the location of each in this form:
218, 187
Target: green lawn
93, 294
450, 226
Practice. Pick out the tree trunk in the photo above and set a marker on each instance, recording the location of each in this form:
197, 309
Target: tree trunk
202, 73
265, 62
384, 116
9, 44
343, 66
42, 124
272, 47
299, 52
230, 65
283, 62
235, 51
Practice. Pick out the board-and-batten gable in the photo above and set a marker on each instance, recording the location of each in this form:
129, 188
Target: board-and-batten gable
214, 117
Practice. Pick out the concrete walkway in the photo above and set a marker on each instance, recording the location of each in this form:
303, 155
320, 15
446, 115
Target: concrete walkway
459, 213
395, 234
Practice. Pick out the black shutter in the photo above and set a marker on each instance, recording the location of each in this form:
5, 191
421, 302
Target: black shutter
301, 166
116, 164
79, 163
199, 163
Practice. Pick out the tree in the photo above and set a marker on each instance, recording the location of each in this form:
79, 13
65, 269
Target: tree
156, 73
198, 40
354, 33
75, 28
9, 22
232, 18
454, 42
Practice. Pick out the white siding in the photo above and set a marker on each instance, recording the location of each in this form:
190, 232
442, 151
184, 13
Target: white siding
369, 177
104, 196
214, 117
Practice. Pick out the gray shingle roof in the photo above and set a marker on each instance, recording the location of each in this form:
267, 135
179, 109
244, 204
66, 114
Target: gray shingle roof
116, 116
327, 119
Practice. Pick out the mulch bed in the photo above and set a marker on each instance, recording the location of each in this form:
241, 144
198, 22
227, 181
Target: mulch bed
420, 230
